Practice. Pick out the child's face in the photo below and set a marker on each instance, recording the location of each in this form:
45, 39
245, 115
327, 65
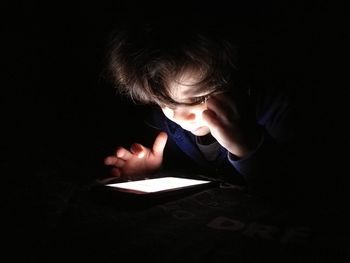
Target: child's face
191, 104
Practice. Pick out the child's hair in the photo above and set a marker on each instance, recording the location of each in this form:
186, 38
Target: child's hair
142, 62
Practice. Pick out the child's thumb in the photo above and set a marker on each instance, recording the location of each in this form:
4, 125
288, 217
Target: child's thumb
159, 143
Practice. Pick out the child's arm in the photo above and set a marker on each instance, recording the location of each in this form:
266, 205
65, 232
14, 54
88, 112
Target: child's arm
264, 161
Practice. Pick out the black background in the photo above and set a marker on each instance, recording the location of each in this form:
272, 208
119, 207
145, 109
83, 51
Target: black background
57, 107
60, 113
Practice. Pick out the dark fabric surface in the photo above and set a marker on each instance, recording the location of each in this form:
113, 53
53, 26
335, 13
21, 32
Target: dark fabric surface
66, 221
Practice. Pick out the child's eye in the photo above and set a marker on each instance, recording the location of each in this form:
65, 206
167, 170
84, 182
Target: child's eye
199, 100
192, 102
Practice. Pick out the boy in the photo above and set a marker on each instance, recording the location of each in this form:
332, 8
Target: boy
206, 114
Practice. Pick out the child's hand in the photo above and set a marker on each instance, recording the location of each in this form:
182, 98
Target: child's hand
139, 161
227, 127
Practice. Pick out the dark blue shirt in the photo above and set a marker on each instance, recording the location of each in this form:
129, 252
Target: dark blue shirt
265, 169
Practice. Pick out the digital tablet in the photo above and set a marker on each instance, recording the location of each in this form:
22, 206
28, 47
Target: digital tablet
157, 185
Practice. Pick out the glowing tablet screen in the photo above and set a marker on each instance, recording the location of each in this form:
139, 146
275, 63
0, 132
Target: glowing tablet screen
157, 184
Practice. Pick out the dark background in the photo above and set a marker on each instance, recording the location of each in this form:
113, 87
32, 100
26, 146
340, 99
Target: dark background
59, 110
60, 117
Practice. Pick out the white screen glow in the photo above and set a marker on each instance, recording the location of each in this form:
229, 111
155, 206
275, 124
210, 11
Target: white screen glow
158, 184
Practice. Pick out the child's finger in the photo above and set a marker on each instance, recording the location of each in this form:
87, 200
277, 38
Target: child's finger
138, 150
109, 160
116, 172
112, 160
210, 118
222, 105
159, 143
123, 154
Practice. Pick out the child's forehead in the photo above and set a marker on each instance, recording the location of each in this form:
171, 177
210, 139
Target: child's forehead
186, 85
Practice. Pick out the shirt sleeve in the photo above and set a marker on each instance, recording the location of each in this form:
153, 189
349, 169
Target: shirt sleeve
265, 149
270, 168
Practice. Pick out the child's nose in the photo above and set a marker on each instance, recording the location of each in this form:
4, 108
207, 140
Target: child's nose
184, 115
